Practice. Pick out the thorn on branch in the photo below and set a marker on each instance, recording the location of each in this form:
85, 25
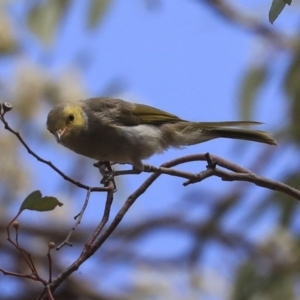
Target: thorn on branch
210, 163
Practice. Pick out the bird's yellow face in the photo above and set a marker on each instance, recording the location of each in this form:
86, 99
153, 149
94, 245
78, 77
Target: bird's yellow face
65, 119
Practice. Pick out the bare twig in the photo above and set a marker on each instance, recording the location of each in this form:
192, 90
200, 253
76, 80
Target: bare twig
96, 245
78, 220
27, 258
49, 163
108, 203
230, 13
259, 181
235, 173
50, 247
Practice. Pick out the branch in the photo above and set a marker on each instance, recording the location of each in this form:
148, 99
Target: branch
259, 181
237, 173
231, 14
49, 163
234, 173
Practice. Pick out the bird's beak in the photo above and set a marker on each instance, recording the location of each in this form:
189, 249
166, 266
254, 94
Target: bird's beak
58, 134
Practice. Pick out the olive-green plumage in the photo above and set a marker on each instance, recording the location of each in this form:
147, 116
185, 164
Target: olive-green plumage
116, 130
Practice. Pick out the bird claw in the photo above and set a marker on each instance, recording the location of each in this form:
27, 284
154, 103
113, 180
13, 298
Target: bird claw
107, 177
107, 173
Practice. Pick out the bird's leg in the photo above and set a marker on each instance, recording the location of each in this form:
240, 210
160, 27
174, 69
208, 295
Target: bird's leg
106, 171
137, 168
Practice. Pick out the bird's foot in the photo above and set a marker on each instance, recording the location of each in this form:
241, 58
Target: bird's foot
106, 171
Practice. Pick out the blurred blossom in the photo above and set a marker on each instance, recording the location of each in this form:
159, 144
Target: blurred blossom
280, 248
12, 175
70, 87
8, 43
28, 89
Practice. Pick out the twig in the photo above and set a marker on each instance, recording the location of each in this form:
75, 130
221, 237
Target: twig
230, 13
259, 181
50, 247
105, 217
99, 237
95, 246
78, 220
26, 256
49, 163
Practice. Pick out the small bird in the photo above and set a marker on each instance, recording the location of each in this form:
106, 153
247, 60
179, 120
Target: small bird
109, 129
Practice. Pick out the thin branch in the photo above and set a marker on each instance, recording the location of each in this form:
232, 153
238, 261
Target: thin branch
49, 163
78, 217
96, 245
259, 181
50, 247
230, 13
237, 173
105, 218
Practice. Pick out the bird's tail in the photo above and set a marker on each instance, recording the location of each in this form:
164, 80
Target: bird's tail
244, 134
190, 133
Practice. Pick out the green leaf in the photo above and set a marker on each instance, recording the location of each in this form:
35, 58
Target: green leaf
292, 88
276, 8
35, 201
247, 282
292, 78
289, 2
250, 88
97, 10
44, 18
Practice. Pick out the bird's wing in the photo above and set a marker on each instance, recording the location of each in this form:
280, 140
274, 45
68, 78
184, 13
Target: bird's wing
150, 115
129, 114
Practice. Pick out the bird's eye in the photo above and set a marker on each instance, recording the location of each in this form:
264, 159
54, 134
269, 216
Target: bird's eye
71, 117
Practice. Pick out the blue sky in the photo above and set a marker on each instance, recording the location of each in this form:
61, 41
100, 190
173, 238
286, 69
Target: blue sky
180, 57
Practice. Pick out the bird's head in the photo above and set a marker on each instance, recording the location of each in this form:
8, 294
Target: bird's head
66, 119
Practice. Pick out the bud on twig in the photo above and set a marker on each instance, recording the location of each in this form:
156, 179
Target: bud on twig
6, 107
51, 245
15, 225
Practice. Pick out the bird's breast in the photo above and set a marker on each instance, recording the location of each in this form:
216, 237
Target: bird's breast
119, 143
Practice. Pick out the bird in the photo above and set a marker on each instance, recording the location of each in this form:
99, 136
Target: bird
111, 129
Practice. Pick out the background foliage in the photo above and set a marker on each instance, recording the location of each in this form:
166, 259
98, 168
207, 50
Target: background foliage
202, 60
